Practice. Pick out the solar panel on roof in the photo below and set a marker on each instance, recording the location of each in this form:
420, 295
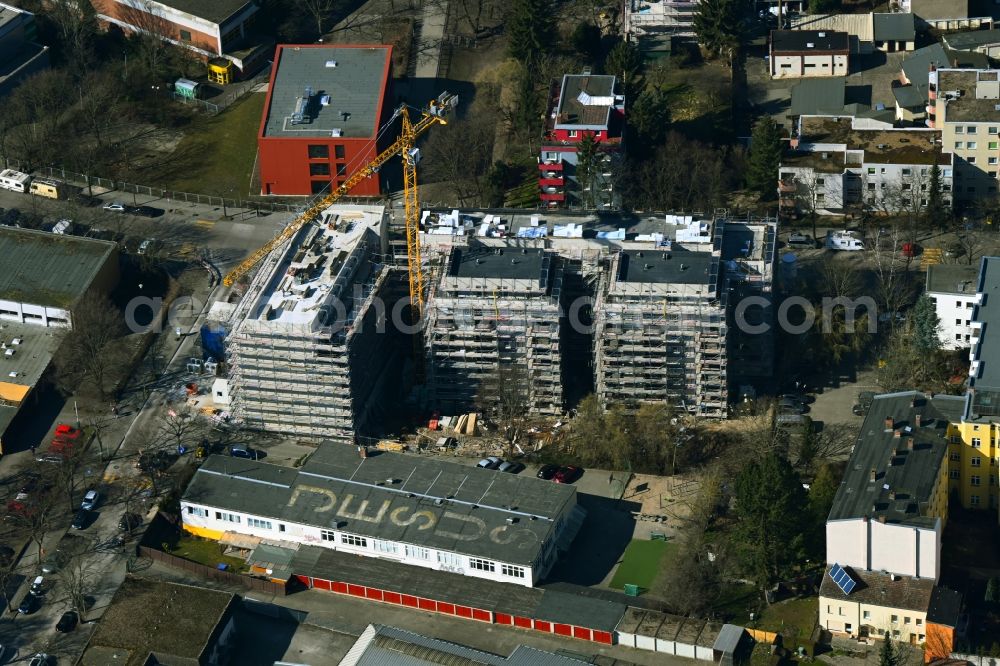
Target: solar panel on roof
842, 579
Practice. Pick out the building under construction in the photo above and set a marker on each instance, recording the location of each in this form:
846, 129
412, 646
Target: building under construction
494, 307
309, 347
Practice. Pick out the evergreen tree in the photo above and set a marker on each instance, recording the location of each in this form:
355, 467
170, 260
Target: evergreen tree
765, 156
889, 655
530, 29
586, 40
648, 122
925, 324
719, 25
769, 502
993, 590
625, 62
936, 211
586, 168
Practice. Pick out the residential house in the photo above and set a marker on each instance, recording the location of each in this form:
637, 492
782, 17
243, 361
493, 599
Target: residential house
836, 165
583, 137
800, 53
953, 288
967, 112
911, 95
20, 55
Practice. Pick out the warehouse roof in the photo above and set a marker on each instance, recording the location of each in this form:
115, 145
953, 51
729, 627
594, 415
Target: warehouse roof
30, 351
953, 279
534, 602
352, 80
893, 27
216, 11
409, 499
907, 458
879, 589
797, 41
51, 270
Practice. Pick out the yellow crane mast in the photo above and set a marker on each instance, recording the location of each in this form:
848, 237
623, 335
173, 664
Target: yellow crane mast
402, 146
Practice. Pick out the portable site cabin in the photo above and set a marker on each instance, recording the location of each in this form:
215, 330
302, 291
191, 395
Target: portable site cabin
187, 88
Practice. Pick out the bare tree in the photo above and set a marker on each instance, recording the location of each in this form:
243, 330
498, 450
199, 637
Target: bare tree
319, 11
891, 267
471, 137
78, 577
973, 242
504, 398
177, 427
91, 351
37, 515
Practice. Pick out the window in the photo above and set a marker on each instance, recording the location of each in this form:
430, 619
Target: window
920, 638
228, 517
871, 186
417, 553
971, 160
197, 511
919, 621
994, 145
820, 197
954, 456
328, 535
820, 181
319, 152
848, 626
895, 633
974, 500
971, 145
281, 528
389, 547
185, 36
338, 152
953, 474
573, 134
894, 618
256, 522
341, 169
514, 572
871, 171
976, 441
959, 130
449, 559
906, 186
907, 171
971, 129
906, 620
958, 145
840, 610
551, 157
867, 615
352, 540
946, 173
977, 461
481, 565
319, 169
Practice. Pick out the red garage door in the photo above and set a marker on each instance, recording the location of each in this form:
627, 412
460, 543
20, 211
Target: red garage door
603, 637
542, 625
503, 618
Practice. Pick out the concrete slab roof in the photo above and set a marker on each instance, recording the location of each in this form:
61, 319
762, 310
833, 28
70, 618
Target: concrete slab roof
798, 41
353, 76
503, 263
905, 476
940, 9
469, 507
216, 11
47, 269
879, 589
953, 279
535, 602
818, 96
880, 146
969, 107
674, 267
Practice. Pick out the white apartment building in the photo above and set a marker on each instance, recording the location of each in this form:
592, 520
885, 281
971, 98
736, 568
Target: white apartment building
837, 164
418, 511
953, 289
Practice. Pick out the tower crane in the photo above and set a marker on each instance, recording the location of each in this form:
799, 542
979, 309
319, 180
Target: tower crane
403, 146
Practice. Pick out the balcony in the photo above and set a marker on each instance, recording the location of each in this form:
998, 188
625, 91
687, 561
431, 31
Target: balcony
555, 165
552, 196
551, 182
786, 186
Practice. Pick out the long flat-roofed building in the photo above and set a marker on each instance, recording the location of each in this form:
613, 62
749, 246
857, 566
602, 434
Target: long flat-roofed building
495, 306
309, 345
418, 511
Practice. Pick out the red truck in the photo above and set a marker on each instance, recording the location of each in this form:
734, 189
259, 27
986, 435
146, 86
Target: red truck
64, 440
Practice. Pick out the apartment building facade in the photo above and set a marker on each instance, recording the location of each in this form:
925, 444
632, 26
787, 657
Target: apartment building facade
966, 110
953, 288
839, 164
582, 139
801, 53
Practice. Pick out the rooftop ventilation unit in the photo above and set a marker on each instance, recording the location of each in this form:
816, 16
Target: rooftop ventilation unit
822, 34
301, 104
330, 64
810, 45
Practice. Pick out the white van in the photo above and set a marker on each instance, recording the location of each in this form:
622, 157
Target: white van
844, 240
63, 227
14, 180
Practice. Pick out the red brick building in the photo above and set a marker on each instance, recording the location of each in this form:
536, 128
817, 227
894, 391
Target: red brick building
324, 107
581, 105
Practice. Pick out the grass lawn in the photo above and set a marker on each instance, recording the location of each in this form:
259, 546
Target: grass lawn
217, 153
735, 603
794, 619
641, 563
699, 100
206, 552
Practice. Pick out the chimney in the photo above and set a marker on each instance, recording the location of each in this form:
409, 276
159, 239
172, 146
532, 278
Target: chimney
872, 476
913, 403
889, 423
897, 434
881, 518
916, 420
363, 451
909, 443
933, 67
892, 494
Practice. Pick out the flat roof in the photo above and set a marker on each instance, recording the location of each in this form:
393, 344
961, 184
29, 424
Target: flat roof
953, 279
809, 40
819, 95
156, 616
833, 162
984, 379
216, 11
880, 146
897, 27
356, 87
674, 267
467, 504
52, 270
879, 589
567, 607
32, 354
905, 477
968, 108
945, 606
586, 100
972, 39
487, 262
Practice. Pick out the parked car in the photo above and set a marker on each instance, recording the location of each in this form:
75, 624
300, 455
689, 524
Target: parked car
49, 458
55, 562
82, 520
41, 659
568, 474
490, 463
511, 467
37, 586
801, 240
90, 500
547, 471
29, 487
67, 622
146, 246
115, 207
242, 451
29, 604
863, 404
146, 211
129, 521
790, 405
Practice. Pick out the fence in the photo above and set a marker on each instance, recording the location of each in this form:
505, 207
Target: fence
210, 573
234, 93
